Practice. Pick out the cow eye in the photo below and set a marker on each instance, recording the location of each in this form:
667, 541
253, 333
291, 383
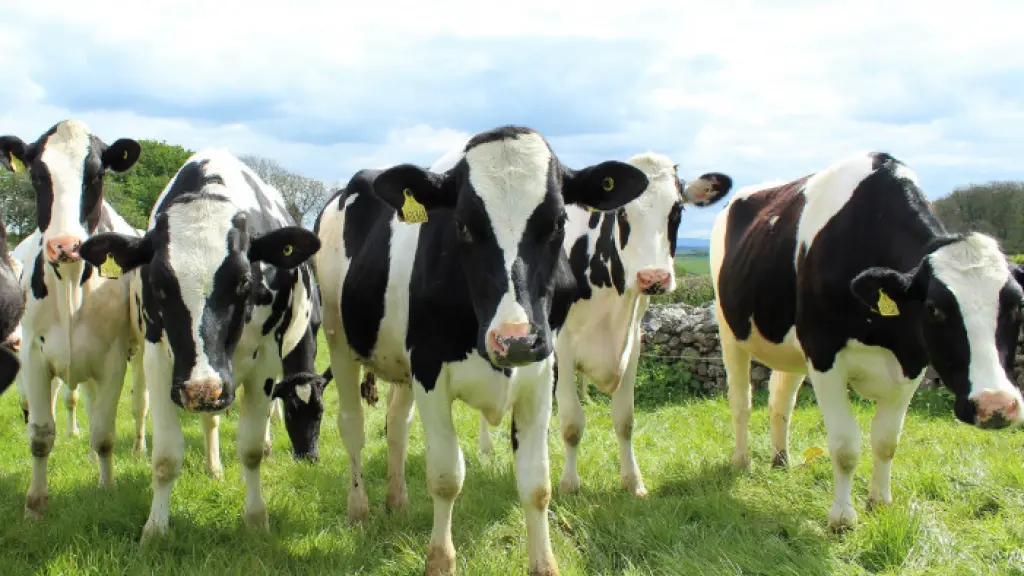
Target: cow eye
556, 233
934, 312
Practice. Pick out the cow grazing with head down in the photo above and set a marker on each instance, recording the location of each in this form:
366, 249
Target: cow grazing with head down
75, 324
846, 275
450, 285
619, 259
225, 297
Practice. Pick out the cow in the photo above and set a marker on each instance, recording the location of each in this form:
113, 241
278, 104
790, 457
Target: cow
75, 323
12, 306
847, 276
225, 296
619, 260
449, 285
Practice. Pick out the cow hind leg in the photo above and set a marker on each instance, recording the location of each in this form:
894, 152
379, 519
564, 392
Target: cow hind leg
783, 388
737, 375
446, 471
252, 432
844, 435
484, 443
571, 418
400, 401
140, 403
622, 420
886, 428
70, 397
102, 418
211, 437
350, 425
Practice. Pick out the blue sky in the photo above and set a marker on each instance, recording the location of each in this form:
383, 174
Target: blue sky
759, 90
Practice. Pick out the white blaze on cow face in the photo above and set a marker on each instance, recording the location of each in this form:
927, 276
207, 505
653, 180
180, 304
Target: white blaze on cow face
976, 273
647, 257
511, 178
64, 155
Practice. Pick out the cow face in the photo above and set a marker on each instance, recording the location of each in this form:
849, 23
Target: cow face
509, 193
303, 398
968, 299
67, 165
648, 225
202, 279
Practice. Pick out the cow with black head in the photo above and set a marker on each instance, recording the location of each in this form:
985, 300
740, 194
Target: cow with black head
225, 298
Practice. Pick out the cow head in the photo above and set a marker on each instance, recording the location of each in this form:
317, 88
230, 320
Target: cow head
303, 397
967, 299
67, 165
508, 193
12, 307
205, 272
649, 224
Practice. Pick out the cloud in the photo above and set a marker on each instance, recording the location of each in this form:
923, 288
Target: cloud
760, 91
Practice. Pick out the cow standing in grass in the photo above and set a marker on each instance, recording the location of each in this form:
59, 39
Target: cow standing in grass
450, 285
225, 297
619, 260
76, 322
846, 275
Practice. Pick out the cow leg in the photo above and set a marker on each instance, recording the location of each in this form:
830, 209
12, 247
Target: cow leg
70, 396
446, 471
830, 389
622, 420
252, 432
531, 416
211, 437
737, 375
350, 424
485, 445
140, 402
782, 391
104, 395
168, 441
400, 400
570, 416
41, 427
268, 442
886, 428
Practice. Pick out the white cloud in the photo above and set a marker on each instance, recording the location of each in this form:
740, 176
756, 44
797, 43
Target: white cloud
759, 90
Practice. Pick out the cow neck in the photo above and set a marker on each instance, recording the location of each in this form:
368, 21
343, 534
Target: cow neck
70, 297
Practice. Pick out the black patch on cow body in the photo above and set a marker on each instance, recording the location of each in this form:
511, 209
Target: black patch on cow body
366, 238
86, 273
622, 222
675, 216
578, 262
56, 270
606, 269
497, 135
37, 283
594, 220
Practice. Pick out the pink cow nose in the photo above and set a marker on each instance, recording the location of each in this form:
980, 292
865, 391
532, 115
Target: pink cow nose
511, 343
652, 280
63, 248
997, 409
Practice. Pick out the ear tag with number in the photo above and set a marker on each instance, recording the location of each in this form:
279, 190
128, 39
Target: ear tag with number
109, 268
886, 305
412, 211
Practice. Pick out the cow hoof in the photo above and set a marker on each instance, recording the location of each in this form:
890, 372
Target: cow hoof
780, 460
34, 506
741, 462
73, 433
216, 471
876, 500
257, 518
842, 518
397, 501
634, 485
569, 484
139, 447
151, 531
358, 506
440, 560
551, 569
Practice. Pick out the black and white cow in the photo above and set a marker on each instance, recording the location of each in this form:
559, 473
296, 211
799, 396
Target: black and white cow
462, 306
12, 306
846, 275
76, 322
225, 296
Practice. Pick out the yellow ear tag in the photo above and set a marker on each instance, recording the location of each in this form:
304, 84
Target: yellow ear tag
16, 165
886, 306
608, 184
412, 211
125, 154
109, 268
811, 453
287, 250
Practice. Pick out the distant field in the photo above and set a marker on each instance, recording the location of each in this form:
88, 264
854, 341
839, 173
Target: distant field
692, 262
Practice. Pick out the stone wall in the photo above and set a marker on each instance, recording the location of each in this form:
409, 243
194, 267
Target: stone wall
688, 336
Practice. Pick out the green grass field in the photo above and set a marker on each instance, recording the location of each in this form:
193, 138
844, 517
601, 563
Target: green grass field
693, 263
959, 502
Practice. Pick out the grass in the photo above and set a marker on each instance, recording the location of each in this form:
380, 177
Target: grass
959, 502
695, 263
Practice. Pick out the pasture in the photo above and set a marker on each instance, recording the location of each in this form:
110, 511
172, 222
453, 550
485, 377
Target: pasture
692, 262
959, 501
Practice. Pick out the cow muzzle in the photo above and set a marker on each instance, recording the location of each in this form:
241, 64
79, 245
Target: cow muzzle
997, 409
203, 395
63, 248
653, 281
512, 345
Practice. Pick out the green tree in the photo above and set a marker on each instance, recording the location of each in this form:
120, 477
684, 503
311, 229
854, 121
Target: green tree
995, 208
134, 192
18, 205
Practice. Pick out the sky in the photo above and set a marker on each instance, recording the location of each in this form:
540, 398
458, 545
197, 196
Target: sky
761, 91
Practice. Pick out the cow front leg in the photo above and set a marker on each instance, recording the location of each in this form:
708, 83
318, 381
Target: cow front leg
400, 400
41, 427
570, 416
252, 432
782, 391
484, 443
830, 389
531, 416
886, 428
622, 420
737, 376
140, 402
168, 441
446, 471
211, 439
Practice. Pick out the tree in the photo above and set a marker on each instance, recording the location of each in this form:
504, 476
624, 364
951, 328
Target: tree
134, 192
302, 195
995, 208
17, 205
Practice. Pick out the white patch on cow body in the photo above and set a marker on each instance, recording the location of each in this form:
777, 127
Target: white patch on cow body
975, 271
390, 356
64, 155
827, 192
303, 391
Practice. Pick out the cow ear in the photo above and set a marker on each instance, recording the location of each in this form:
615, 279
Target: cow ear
1018, 273
121, 155
9, 367
13, 153
606, 186
413, 191
113, 253
286, 247
707, 189
886, 291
